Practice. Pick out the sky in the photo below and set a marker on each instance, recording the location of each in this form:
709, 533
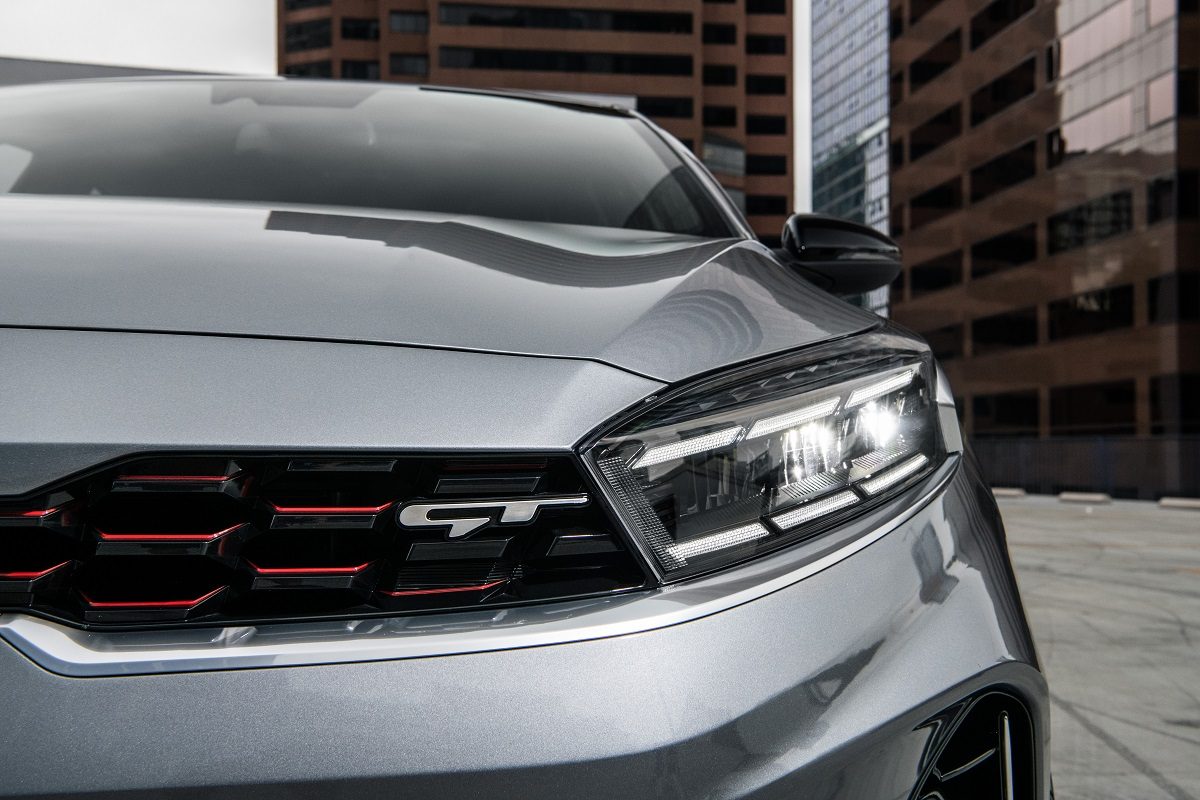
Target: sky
235, 36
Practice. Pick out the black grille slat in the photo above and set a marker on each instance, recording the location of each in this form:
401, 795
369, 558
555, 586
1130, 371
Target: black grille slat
252, 538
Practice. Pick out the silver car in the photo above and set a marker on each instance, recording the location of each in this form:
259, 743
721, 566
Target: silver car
383, 441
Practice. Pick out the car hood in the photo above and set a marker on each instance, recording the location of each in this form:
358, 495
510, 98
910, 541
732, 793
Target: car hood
660, 305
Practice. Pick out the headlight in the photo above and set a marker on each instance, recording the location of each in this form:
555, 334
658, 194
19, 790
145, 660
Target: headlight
730, 469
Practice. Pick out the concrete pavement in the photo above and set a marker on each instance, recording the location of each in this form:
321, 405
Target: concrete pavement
1113, 594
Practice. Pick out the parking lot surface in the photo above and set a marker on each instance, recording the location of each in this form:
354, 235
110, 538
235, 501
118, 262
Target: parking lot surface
1113, 595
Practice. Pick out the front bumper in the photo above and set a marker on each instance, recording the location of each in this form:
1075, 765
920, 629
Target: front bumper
817, 689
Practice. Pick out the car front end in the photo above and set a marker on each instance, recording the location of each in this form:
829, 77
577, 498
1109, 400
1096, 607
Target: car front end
345, 502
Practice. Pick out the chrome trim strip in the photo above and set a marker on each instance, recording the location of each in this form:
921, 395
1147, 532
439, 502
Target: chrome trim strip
76, 653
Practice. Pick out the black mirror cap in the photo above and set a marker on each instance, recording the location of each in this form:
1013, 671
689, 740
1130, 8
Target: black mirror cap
843, 257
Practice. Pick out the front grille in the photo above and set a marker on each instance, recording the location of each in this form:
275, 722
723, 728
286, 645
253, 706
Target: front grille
982, 749
240, 539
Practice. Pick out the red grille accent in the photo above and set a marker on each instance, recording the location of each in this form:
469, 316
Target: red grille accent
309, 570
243, 539
176, 478
166, 537
35, 514
32, 575
150, 604
330, 511
442, 590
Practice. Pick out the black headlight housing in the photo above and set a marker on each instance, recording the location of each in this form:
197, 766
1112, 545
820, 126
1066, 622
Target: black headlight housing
760, 458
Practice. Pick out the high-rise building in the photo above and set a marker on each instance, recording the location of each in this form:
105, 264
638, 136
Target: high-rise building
1044, 188
850, 115
715, 73
850, 109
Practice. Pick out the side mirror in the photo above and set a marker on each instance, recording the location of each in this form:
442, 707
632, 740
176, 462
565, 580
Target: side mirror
840, 256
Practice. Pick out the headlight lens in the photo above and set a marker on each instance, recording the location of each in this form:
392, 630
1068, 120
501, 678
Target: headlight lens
725, 472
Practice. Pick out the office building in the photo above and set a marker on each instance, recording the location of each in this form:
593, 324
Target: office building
1044, 188
850, 115
716, 74
850, 109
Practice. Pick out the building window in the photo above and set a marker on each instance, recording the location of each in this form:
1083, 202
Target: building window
1019, 82
941, 200
314, 34
720, 116
1187, 194
895, 23
1174, 297
1100, 35
1160, 99
936, 273
1175, 403
935, 132
364, 29
296, 5
766, 84
896, 220
766, 124
1090, 222
1187, 91
1091, 131
1095, 409
766, 45
1005, 331
564, 18
726, 156
1010, 249
720, 75
409, 64
1091, 313
936, 60
766, 6
1004, 171
312, 69
766, 165
666, 107
357, 70
1006, 415
1160, 199
897, 154
718, 34
896, 89
946, 343
919, 8
408, 22
564, 61
995, 17
766, 204
1056, 148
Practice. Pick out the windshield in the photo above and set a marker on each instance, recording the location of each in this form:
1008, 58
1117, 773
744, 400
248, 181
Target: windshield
324, 143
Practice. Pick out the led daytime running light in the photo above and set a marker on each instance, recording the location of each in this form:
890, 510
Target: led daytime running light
818, 508
894, 475
880, 388
687, 447
792, 419
718, 541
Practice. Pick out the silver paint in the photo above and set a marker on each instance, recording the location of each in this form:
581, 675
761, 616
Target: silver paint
661, 305
72, 399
